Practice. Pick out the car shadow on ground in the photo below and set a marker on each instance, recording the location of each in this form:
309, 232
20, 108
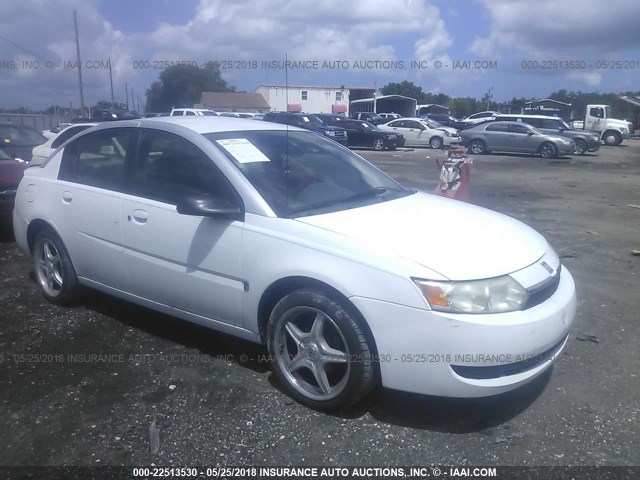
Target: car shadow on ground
398, 408
190, 335
6, 231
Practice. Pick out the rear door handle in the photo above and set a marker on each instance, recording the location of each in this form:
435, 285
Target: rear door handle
67, 196
139, 216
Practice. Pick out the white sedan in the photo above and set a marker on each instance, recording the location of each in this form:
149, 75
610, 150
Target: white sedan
42, 152
421, 132
280, 236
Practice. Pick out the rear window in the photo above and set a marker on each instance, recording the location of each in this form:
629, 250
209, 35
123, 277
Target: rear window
20, 136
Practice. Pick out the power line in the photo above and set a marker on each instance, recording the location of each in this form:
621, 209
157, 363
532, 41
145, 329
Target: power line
23, 48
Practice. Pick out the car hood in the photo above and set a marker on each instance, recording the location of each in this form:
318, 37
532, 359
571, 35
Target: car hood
331, 128
455, 239
451, 130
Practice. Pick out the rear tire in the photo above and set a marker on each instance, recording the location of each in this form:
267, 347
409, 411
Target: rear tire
478, 147
319, 350
53, 269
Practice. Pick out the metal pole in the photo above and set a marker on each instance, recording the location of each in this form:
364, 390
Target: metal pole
126, 92
75, 22
133, 102
111, 83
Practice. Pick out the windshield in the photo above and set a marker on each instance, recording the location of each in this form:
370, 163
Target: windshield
301, 173
566, 126
433, 123
535, 130
19, 136
311, 120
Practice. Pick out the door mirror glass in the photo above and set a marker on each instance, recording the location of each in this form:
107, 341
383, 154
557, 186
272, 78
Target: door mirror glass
207, 206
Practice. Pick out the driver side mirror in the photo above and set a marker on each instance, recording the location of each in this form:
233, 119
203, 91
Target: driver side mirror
205, 206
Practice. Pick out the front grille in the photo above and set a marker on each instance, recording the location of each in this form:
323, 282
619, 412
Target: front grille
543, 291
497, 371
341, 133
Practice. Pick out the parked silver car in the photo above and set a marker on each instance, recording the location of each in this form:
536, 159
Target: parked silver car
515, 137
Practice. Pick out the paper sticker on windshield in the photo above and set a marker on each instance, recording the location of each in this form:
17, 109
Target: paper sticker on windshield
6, 140
243, 150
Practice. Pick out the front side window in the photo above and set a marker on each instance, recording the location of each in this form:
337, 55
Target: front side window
518, 129
190, 113
550, 124
301, 173
98, 159
169, 168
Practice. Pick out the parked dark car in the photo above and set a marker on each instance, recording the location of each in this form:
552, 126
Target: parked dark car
516, 137
370, 117
365, 134
112, 114
309, 122
585, 141
446, 120
11, 171
17, 141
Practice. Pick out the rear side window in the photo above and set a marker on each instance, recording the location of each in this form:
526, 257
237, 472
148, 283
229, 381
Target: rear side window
98, 159
67, 134
496, 127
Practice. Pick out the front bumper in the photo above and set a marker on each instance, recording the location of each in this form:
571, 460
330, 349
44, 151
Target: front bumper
566, 149
430, 352
594, 145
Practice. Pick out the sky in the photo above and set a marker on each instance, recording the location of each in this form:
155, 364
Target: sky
516, 48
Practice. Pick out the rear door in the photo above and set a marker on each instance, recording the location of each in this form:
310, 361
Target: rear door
192, 263
497, 137
91, 181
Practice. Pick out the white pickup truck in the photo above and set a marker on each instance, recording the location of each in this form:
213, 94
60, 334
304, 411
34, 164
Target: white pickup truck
598, 119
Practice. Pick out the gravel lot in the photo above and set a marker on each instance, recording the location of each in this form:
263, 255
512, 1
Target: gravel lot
214, 397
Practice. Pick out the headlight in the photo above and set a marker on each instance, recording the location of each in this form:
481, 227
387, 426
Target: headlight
391, 137
448, 134
330, 133
494, 295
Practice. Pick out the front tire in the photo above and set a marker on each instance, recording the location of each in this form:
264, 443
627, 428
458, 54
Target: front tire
548, 150
319, 350
53, 269
581, 147
378, 144
612, 138
436, 142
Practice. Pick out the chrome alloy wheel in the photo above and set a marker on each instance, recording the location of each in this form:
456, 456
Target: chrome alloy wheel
312, 353
48, 267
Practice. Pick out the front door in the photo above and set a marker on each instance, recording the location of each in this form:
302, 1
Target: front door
188, 262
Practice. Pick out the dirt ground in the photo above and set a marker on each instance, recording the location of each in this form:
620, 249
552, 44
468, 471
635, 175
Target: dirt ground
215, 400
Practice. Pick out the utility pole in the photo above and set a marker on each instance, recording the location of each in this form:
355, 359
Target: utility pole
75, 23
139, 110
111, 83
126, 92
489, 95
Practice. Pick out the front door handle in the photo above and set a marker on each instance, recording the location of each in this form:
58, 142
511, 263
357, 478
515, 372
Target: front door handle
139, 216
67, 196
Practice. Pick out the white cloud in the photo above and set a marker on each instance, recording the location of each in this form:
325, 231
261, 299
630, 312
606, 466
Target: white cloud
548, 29
219, 30
590, 79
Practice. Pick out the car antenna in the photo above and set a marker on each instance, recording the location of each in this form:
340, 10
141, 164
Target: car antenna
285, 165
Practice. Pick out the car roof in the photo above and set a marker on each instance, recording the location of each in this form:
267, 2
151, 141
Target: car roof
526, 115
200, 124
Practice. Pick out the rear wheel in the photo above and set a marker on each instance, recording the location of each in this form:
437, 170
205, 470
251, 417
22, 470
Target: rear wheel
319, 350
548, 150
436, 142
581, 147
53, 269
378, 144
478, 147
